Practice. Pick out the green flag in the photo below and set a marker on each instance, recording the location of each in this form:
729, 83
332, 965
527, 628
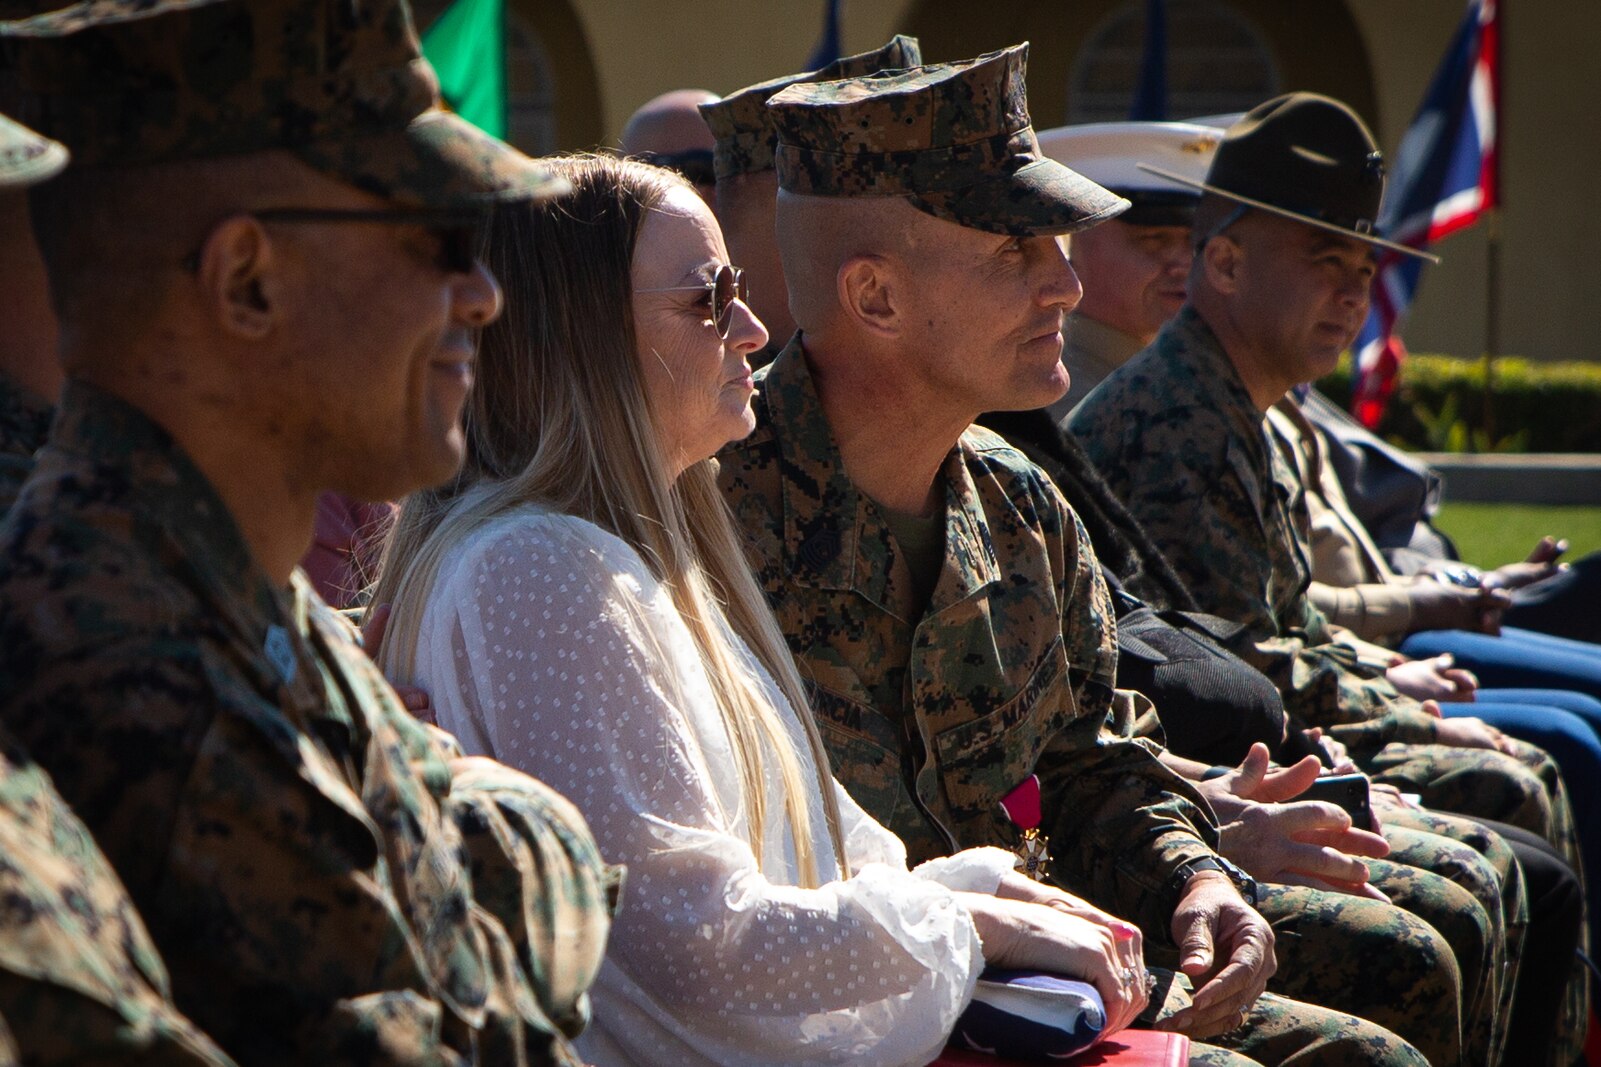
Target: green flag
467, 46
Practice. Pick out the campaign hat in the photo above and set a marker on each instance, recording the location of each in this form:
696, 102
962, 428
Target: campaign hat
341, 84
25, 157
744, 127
1306, 157
1109, 154
954, 139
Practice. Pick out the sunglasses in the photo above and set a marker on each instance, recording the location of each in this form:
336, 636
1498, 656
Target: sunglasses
460, 233
727, 285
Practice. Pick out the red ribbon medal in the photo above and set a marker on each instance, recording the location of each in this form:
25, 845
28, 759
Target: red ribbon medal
1022, 806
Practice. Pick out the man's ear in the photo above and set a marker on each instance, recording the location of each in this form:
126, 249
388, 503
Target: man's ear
1221, 260
237, 277
868, 294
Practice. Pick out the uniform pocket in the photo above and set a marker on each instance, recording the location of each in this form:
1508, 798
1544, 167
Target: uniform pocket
986, 758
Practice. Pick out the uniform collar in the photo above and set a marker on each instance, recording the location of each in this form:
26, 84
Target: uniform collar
162, 484
835, 536
1188, 345
173, 505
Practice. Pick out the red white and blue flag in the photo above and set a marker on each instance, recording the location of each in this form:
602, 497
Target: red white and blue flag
1443, 178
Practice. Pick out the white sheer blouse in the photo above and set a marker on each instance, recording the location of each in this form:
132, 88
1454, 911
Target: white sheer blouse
547, 643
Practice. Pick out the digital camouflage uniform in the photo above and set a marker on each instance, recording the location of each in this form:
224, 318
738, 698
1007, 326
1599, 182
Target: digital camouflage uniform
929, 722
1178, 439
80, 981
287, 829
1438, 880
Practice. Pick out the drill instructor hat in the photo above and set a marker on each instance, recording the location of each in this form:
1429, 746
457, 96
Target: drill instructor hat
1306, 157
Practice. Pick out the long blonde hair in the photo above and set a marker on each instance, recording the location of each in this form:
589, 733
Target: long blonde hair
560, 416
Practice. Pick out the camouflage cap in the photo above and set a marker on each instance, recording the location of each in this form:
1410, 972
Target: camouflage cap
340, 83
25, 157
744, 128
952, 138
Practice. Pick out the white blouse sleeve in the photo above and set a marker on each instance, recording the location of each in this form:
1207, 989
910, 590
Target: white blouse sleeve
548, 644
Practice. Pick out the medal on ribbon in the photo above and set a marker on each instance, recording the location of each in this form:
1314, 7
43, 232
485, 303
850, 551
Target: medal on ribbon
1022, 806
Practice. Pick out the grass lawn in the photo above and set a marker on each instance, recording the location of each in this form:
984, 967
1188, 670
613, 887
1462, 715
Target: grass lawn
1489, 535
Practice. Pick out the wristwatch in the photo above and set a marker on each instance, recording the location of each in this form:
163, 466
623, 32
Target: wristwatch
1190, 868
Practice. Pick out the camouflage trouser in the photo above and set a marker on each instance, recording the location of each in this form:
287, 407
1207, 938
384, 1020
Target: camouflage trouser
1458, 892
1366, 958
1524, 789
1494, 852
1283, 1031
513, 842
1212, 1056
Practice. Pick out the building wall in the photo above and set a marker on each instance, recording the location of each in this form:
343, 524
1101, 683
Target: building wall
1551, 165
1377, 54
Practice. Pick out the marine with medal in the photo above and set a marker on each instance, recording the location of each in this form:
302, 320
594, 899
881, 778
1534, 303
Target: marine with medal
942, 599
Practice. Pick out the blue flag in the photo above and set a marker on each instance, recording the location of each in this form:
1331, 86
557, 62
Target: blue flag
1150, 96
828, 45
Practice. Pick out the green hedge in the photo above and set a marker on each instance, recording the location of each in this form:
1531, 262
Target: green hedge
1438, 405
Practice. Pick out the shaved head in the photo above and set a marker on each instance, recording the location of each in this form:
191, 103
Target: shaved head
669, 124
818, 235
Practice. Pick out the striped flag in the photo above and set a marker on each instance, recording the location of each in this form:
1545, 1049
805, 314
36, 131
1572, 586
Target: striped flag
1443, 179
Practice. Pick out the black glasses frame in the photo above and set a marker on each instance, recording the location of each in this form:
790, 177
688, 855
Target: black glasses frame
460, 232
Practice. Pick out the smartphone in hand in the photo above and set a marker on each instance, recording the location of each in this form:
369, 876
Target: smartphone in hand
1347, 791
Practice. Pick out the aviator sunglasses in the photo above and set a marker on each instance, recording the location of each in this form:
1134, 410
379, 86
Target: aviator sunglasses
727, 286
460, 233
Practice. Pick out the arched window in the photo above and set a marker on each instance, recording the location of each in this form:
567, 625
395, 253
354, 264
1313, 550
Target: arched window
1217, 62
530, 90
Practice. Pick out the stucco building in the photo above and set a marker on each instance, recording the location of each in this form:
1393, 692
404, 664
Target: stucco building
579, 67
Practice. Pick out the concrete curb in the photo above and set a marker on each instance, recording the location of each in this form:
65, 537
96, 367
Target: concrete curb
1529, 478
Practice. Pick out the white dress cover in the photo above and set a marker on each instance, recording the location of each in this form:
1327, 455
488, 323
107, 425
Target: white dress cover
547, 644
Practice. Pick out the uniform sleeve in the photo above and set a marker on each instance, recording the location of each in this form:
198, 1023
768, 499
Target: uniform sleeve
263, 877
80, 981
1189, 483
555, 646
1119, 821
533, 863
1324, 685
1375, 612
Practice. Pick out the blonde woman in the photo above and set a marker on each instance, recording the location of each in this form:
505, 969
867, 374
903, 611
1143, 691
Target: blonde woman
579, 607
